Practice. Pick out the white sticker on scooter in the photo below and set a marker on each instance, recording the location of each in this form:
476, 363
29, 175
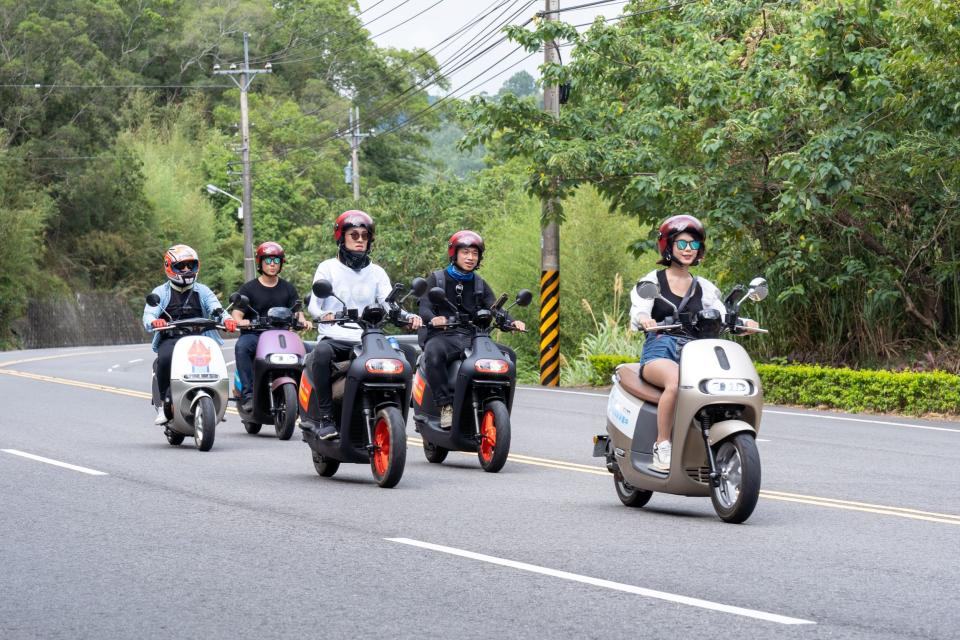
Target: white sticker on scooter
620, 412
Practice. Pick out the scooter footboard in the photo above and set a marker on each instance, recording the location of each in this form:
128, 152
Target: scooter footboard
723, 430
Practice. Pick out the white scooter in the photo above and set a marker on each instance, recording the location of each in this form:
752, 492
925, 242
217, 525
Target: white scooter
198, 382
717, 417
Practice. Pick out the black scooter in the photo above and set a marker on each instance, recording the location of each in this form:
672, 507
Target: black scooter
370, 399
484, 383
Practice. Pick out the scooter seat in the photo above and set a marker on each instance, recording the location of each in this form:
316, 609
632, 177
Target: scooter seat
628, 375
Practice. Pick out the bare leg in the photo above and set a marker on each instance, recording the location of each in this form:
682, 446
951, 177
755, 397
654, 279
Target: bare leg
665, 374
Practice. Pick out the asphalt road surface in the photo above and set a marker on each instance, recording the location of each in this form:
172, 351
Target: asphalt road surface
856, 535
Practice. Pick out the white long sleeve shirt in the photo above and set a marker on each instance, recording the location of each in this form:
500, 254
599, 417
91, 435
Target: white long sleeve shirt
711, 298
358, 289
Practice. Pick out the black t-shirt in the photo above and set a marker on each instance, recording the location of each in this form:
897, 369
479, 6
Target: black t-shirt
661, 310
184, 304
262, 298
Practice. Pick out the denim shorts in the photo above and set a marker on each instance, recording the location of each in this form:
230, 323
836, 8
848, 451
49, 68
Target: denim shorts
660, 345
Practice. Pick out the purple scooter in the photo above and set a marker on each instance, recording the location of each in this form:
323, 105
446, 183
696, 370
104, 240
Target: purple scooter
276, 370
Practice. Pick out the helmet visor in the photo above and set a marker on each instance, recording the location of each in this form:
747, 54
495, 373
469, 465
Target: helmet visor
186, 266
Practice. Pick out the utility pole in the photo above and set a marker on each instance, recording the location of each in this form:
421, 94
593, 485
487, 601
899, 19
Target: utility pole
355, 139
246, 75
550, 243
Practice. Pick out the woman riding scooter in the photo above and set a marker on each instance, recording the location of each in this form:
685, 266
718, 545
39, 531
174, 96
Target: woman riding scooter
682, 244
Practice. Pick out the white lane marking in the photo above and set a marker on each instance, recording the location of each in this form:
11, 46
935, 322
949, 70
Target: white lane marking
56, 463
882, 422
231, 362
134, 360
762, 440
618, 586
782, 413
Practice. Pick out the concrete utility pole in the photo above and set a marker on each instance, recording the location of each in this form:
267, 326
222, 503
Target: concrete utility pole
355, 139
550, 244
246, 75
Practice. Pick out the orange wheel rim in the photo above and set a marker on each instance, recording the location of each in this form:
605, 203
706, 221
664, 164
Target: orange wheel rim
488, 436
381, 440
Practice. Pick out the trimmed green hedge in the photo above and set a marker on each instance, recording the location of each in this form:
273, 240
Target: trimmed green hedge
904, 392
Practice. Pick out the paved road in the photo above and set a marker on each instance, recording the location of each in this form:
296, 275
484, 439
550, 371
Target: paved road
857, 534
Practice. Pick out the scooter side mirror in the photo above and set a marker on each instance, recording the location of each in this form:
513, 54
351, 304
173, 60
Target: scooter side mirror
437, 295
418, 287
648, 290
152, 299
239, 300
322, 289
758, 289
524, 298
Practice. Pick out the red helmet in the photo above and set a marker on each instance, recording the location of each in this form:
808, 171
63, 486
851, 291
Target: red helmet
181, 264
353, 218
675, 225
272, 249
465, 238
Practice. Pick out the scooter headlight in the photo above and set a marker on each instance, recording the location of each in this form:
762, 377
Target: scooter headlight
486, 365
727, 387
384, 366
283, 358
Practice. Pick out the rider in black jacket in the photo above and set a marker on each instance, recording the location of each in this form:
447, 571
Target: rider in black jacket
467, 292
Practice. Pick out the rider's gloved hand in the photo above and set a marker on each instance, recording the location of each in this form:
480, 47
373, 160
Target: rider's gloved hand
230, 325
159, 323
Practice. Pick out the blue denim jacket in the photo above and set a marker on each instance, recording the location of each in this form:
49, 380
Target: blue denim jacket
208, 302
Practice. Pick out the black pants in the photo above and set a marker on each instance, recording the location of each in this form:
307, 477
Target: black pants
164, 359
245, 351
439, 351
321, 366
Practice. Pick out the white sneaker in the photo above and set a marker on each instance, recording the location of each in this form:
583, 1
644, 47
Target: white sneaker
661, 456
446, 416
161, 417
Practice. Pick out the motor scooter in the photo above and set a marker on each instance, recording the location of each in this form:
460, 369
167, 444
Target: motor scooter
370, 397
276, 370
484, 383
198, 382
719, 404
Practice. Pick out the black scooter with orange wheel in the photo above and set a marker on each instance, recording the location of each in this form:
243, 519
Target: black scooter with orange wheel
483, 383
370, 398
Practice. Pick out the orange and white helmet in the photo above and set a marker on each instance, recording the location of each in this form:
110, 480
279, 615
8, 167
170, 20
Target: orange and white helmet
181, 264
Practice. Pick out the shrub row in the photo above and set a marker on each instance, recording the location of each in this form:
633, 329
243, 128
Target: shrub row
904, 392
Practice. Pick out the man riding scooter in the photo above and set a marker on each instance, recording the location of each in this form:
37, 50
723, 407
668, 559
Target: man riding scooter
358, 283
264, 292
466, 291
181, 297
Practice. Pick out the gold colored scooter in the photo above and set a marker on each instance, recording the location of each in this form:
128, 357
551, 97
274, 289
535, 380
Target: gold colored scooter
719, 404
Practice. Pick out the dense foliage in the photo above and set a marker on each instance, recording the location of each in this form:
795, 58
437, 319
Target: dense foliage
818, 140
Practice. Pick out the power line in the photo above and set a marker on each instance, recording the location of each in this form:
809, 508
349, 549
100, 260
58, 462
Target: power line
413, 17
597, 3
115, 86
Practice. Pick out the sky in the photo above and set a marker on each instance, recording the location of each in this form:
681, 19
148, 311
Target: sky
447, 16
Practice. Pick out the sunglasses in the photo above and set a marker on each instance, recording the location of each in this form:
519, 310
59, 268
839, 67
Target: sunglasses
358, 235
187, 266
273, 260
693, 244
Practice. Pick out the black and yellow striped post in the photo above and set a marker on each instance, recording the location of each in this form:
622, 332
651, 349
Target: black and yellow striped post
550, 328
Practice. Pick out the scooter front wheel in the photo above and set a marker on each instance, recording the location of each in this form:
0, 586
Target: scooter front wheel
494, 437
738, 463
389, 447
629, 495
285, 399
204, 423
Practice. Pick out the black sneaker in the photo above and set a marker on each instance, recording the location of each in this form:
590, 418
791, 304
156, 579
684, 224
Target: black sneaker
247, 405
327, 429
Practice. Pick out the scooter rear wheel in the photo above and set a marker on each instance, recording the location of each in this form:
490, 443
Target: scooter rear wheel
173, 437
494, 437
738, 462
326, 467
390, 447
204, 423
630, 495
252, 428
434, 452
285, 399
